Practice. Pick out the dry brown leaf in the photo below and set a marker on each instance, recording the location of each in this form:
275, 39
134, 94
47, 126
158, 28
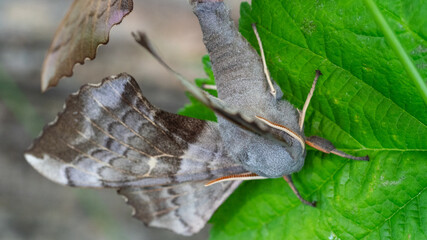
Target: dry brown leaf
86, 26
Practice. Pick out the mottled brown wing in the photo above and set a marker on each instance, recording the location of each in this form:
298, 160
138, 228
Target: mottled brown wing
183, 208
86, 26
109, 135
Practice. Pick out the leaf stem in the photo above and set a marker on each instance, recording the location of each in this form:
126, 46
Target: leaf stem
397, 48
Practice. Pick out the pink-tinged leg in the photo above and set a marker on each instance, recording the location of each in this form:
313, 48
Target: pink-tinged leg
288, 179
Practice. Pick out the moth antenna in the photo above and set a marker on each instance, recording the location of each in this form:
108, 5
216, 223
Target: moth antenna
307, 101
326, 146
287, 130
288, 179
266, 72
242, 176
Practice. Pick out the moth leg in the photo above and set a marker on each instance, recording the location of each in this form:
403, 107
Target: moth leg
326, 146
307, 101
288, 179
266, 72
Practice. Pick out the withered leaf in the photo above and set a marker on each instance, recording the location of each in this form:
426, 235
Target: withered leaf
86, 26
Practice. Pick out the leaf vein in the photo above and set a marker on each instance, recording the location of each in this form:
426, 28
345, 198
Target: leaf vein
392, 215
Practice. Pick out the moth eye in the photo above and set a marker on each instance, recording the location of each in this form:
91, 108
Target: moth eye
291, 142
286, 138
244, 155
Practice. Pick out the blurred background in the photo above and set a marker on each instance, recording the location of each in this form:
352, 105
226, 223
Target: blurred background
31, 207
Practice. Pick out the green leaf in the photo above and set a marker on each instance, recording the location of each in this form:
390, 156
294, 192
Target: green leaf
195, 108
397, 48
364, 103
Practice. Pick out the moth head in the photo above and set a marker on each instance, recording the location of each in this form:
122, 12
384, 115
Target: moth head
271, 158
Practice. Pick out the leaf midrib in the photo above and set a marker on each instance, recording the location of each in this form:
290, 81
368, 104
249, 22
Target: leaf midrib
384, 150
399, 20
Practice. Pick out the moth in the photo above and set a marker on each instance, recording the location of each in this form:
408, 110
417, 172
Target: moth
174, 170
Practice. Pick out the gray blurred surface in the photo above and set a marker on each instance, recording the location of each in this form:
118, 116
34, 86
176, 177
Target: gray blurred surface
31, 207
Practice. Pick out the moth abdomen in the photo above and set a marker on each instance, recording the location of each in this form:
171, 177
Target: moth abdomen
236, 65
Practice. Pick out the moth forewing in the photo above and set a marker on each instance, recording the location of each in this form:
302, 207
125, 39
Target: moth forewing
85, 20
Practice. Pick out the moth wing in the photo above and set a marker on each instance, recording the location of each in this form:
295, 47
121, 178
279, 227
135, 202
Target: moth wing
109, 135
86, 25
249, 123
183, 208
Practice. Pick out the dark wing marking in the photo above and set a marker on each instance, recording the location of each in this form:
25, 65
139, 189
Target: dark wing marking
109, 135
183, 208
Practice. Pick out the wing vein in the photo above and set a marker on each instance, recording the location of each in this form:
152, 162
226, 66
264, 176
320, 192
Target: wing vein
114, 138
125, 125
